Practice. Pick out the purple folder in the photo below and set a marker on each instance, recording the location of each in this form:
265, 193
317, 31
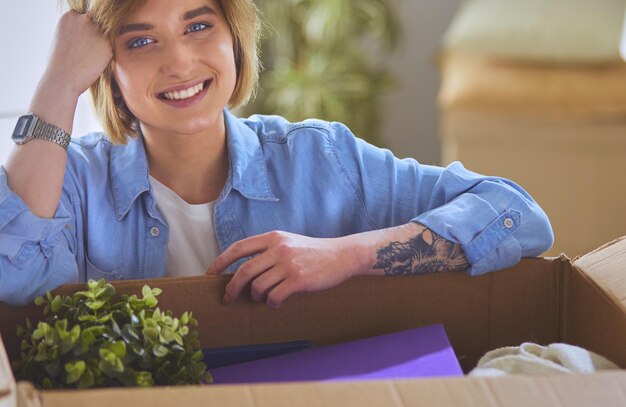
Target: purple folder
419, 352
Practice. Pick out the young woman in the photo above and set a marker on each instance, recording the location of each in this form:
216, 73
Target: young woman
180, 186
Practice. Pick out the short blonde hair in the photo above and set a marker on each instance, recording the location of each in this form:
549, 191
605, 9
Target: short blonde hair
119, 123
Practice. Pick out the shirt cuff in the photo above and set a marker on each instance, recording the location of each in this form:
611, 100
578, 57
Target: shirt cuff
485, 235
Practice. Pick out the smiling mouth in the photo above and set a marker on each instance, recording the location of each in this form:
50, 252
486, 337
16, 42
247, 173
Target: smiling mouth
186, 93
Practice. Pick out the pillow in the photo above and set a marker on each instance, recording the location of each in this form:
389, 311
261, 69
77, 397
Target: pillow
561, 31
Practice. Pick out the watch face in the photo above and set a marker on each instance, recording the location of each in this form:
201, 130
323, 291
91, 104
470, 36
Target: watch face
21, 128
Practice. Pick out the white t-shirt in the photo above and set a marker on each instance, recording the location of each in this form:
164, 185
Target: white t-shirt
192, 244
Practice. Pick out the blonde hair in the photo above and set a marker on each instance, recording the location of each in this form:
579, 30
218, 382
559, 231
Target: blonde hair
118, 121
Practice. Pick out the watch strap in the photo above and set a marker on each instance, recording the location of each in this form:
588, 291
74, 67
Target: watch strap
46, 131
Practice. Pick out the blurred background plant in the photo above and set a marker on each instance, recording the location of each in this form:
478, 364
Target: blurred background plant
318, 61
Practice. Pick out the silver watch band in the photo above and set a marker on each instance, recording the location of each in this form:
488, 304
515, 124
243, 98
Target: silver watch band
47, 131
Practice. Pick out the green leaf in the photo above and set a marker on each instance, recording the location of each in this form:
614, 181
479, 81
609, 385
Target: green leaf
53, 369
178, 339
167, 334
151, 301
75, 333
93, 284
74, 371
61, 325
95, 305
184, 318
42, 352
118, 348
39, 301
129, 334
151, 334
86, 380
160, 351
144, 379
88, 337
146, 291
57, 304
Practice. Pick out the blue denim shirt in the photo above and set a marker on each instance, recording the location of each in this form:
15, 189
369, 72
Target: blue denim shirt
312, 178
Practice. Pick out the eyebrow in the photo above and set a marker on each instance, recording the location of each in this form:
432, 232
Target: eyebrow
135, 27
198, 12
191, 14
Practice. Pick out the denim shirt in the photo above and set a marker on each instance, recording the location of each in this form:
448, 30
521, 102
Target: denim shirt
312, 178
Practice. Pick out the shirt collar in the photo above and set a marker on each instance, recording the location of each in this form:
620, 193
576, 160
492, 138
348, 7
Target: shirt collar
248, 170
247, 173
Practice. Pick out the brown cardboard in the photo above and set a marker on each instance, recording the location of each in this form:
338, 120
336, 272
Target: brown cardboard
540, 300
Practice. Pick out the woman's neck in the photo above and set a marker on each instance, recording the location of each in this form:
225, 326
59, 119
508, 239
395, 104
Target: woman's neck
194, 166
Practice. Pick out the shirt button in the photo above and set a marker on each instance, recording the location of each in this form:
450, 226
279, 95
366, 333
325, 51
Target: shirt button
154, 231
508, 223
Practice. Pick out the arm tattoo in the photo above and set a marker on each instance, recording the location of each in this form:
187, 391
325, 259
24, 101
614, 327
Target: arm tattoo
418, 256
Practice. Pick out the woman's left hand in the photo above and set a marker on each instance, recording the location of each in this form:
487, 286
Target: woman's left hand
286, 263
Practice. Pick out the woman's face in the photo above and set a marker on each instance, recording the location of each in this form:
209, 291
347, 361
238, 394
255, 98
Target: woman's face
175, 66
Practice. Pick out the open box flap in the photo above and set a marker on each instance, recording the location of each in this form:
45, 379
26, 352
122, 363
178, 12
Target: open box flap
606, 266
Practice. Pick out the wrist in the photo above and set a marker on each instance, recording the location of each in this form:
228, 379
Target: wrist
54, 104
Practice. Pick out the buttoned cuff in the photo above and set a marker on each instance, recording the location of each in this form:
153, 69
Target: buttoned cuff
486, 236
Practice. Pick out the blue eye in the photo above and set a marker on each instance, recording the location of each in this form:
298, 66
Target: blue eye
197, 27
140, 43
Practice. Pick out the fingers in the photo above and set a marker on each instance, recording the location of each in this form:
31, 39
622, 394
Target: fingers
242, 248
265, 282
281, 292
247, 272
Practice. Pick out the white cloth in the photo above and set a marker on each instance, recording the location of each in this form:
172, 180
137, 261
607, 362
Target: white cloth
192, 244
530, 358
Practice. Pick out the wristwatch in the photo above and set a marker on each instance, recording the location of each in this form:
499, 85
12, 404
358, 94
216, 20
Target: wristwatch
30, 127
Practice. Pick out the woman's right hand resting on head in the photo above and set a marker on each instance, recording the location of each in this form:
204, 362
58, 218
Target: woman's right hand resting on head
80, 54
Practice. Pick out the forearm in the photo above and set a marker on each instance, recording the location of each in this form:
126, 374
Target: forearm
35, 170
408, 249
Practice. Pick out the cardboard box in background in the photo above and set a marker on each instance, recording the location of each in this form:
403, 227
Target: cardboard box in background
539, 300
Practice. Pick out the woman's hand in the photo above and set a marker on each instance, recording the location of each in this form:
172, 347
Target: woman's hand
80, 54
285, 264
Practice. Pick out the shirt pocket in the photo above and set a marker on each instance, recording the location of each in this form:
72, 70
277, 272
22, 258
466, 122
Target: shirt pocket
94, 273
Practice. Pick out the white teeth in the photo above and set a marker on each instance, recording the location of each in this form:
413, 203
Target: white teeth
184, 94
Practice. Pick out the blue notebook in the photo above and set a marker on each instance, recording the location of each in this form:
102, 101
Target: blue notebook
219, 357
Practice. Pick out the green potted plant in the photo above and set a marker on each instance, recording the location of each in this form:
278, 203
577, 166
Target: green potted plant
87, 340
317, 55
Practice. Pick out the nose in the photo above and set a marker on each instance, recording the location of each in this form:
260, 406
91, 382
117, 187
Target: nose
178, 61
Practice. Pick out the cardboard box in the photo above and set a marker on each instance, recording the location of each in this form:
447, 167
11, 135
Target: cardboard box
541, 300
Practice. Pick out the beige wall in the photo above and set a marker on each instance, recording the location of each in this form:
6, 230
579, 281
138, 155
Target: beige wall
410, 128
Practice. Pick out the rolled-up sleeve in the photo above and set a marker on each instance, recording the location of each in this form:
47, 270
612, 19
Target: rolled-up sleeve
35, 253
494, 220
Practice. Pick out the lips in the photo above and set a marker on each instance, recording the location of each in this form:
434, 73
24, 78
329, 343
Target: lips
186, 94
184, 91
